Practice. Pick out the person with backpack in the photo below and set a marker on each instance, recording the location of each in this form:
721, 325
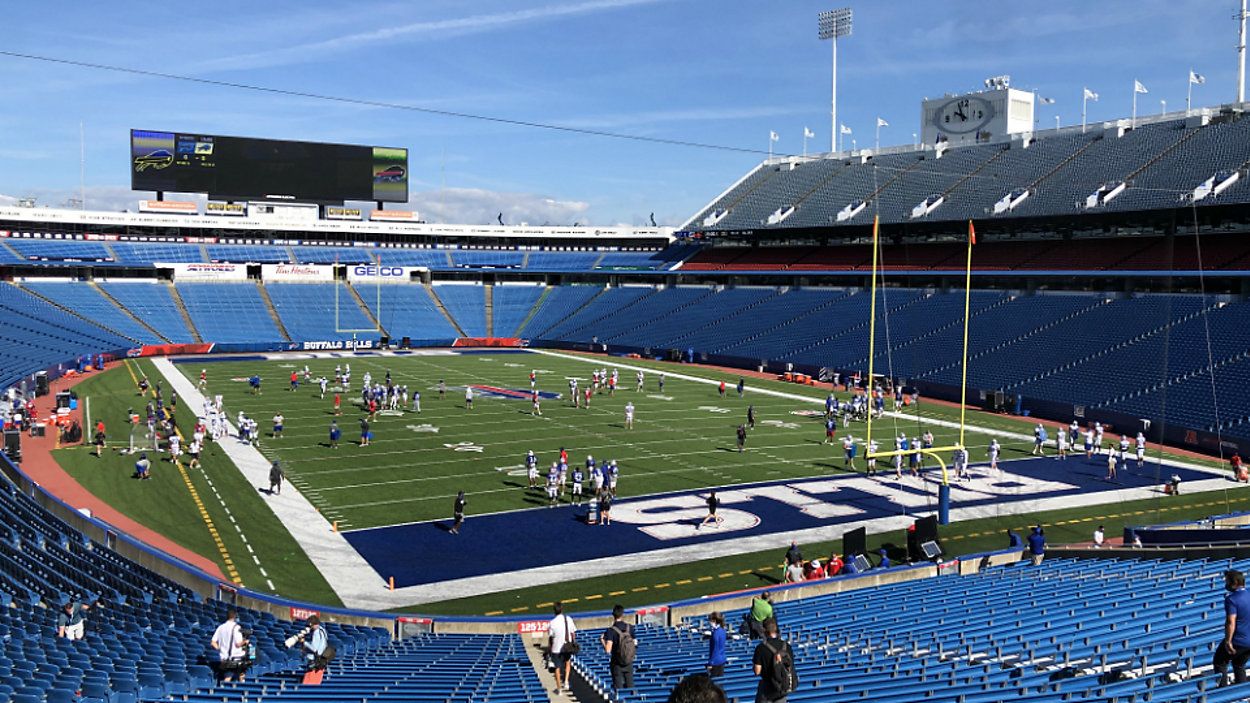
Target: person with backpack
774, 664
622, 646
561, 645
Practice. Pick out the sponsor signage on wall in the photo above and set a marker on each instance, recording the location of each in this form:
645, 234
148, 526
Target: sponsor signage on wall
343, 213
297, 273
232, 209
169, 206
374, 273
206, 272
393, 216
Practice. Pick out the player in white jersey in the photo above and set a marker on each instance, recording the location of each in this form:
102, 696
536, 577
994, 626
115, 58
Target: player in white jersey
578, 481
1089, 443
1141, 450
193, 452
994, 451
217, 402
573, 390
175, 447
641, 377
599, 479
872, 460
1098, 438
1061, 442
322, 383
531, 468
553, 485
629, 416
1074, 432
1124, 450
960, 459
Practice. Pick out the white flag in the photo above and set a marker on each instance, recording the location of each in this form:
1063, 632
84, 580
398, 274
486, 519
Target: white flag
1197, 78
808, 134
1091, 95
845, 129
1139, 88
882, 123
1047, 101
772, 137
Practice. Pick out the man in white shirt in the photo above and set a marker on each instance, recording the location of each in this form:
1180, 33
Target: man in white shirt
1099, 537
561, 632
229, 642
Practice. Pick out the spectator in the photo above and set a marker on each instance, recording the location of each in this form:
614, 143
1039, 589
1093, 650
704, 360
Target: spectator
99, 438
229, 642
1099, 537
885, 558
1013, 540
848, 565
313, 642
1037, 545
143, 467
697, 688
793, 553
770, 654
71, 621
618, 641
833, 567
1235, 462
716, 656
1234, 648
562, 644
794, 572
814, 571
761, 610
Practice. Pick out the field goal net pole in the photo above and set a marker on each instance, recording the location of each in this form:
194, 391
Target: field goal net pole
338, 327
935, 452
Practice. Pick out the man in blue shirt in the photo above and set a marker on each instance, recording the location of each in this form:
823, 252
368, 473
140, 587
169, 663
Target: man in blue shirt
1235, 647
1037, 546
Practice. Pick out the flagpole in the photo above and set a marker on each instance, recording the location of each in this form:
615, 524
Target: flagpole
878, 144
1133, 122
872, 318
1084, 104
1189, 95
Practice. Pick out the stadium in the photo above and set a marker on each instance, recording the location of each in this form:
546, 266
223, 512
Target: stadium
962, 417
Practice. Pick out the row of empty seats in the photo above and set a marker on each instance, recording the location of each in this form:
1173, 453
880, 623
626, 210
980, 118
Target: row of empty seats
1102, 629
1161, 165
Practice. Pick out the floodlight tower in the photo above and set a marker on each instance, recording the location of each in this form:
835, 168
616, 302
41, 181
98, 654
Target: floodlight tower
831, 25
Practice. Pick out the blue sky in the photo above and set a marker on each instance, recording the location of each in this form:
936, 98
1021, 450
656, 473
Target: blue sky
721, 72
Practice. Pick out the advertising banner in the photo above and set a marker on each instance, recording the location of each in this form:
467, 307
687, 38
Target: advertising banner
373, 273
206, 272
297, 273
393, 216
175, 207
343, 213
232, 209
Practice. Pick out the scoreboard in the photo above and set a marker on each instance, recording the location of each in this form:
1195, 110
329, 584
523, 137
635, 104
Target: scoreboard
239, 168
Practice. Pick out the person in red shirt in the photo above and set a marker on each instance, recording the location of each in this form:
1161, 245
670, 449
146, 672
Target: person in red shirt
99, 438
834, 566
815, 571
294, 380
722, 389
1238, 471
338, 404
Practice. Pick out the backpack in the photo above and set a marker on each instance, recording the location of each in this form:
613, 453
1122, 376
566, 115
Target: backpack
782, 674
628, 646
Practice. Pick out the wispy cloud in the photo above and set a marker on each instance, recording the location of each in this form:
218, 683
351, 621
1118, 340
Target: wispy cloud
481, 206
431, 29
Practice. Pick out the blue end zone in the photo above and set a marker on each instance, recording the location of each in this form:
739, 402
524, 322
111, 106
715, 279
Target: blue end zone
426, 552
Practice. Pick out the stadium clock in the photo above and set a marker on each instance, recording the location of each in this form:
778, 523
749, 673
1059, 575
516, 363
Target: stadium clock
963, 115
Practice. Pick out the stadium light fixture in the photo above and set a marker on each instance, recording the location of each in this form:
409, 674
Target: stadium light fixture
832, 25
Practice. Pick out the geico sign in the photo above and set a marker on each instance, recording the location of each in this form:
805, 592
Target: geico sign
379, 271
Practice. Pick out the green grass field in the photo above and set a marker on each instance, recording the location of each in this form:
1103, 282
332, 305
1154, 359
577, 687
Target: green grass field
682, 439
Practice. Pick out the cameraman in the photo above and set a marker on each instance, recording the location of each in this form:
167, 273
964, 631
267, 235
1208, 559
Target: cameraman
312, 640
231, 646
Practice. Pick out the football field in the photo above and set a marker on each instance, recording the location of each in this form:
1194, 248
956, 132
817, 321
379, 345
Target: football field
683, 437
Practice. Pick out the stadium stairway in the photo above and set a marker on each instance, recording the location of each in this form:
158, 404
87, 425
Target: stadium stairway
273, 312
529, 315
488, 291
557, 299
109, 297
438, 303
71, 311
364, 308
182, 310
